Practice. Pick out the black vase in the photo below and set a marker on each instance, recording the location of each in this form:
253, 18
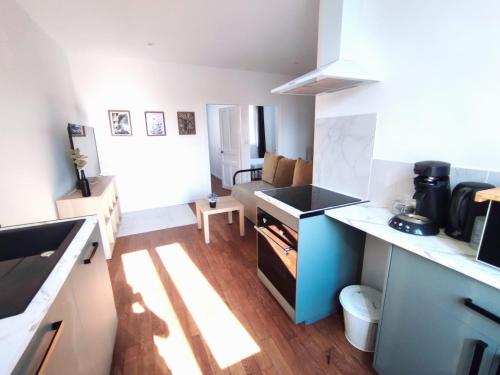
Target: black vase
85, 186
213, 204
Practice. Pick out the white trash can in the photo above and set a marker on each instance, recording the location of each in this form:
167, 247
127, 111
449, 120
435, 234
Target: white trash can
361, 306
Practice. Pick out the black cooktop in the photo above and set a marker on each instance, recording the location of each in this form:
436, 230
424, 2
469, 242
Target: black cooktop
311, 198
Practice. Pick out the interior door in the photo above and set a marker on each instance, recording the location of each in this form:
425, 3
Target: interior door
229, 119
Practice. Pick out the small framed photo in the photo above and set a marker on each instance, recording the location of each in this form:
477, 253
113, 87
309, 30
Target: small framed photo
155, 123
119, 122
187, 123
77, 130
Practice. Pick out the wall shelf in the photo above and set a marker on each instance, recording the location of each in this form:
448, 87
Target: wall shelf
488, 195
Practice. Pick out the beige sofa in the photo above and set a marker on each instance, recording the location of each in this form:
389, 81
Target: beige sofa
277, 172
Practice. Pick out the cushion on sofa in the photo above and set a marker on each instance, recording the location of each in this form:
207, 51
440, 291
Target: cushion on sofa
302, 174
269, 167
245, 194
284, 172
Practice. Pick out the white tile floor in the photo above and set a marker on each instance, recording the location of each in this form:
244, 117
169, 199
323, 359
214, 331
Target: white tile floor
155, 219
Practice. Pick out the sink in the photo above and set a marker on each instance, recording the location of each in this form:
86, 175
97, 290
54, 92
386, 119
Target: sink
27, 257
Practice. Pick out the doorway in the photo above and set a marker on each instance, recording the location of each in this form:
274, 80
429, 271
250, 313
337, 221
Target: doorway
262, 133
224, 140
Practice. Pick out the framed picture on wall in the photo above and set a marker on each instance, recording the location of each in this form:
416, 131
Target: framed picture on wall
76, 130
119, 122
186, 122
155, 123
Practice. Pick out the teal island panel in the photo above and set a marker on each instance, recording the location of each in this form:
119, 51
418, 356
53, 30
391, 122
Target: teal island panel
330, 257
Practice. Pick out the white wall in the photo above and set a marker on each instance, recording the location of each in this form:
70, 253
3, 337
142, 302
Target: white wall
297, 136
375, 262
440, 95
36, 103
162, 171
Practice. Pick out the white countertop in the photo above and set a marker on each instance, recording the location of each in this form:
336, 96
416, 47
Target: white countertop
17, 331
275, 202
441, 249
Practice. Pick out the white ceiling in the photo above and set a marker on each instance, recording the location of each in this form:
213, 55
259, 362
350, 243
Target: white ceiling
277, 36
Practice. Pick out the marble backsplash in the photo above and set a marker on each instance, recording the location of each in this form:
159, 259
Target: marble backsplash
343, 153
343, 162
390, 180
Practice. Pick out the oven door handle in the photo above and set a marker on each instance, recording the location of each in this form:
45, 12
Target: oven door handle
285, 250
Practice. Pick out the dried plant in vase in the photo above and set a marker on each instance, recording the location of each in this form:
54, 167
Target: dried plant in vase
80, 162
78, 158
212, 200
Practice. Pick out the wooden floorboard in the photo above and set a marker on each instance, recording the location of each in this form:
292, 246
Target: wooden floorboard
229, 265
217, 187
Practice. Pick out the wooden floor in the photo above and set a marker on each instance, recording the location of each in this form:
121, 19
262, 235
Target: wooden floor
217, 187
229, 265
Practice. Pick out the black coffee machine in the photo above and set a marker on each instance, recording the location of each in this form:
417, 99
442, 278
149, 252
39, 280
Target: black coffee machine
432, 190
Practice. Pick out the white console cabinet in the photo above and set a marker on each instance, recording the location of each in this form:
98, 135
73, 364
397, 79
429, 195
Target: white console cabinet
103, 202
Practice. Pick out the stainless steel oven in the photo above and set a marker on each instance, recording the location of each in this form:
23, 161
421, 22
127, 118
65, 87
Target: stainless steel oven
277, 252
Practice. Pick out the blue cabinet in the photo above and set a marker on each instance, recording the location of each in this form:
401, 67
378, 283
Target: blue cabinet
426, 328
330, 257
495, 368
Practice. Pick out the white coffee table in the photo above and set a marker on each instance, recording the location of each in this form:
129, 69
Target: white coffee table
224, 204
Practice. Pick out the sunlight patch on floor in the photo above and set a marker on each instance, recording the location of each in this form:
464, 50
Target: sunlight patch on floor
226, 337
137, 308
143, 278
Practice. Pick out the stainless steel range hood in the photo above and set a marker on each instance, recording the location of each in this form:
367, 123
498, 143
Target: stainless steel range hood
340, 46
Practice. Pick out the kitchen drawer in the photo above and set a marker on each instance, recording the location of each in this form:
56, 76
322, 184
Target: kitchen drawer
60, 351
431, 284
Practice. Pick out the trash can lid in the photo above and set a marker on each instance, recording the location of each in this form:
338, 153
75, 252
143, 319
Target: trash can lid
362, 301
